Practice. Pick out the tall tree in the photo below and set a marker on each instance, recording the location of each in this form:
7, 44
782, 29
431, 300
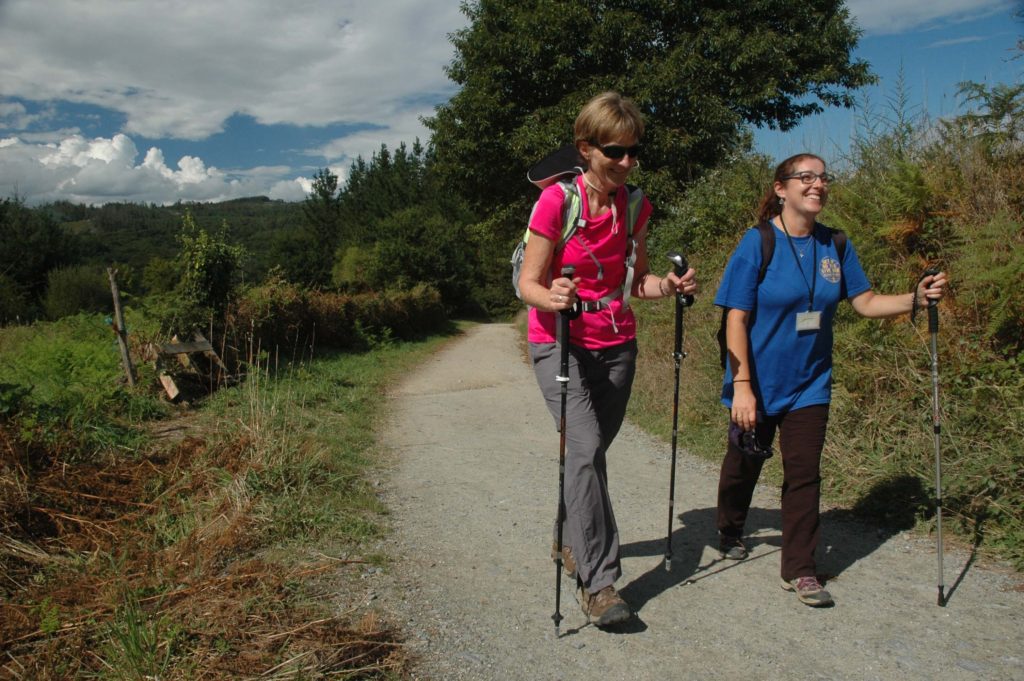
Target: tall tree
31, 244
388, 183
699, 70
322, 210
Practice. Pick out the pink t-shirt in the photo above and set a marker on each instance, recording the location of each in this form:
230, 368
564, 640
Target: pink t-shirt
605, 238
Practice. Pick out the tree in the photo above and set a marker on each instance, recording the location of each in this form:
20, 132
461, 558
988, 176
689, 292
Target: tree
420, 245
31, 244
699, 71
389, 182
209, 267
322, 210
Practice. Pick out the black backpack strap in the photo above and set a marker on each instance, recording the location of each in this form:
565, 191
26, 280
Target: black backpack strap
767, 247
767, 233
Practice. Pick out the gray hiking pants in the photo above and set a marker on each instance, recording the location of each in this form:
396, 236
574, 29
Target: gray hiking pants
599, 386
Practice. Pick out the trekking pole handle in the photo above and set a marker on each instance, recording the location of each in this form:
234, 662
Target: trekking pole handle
577, 308
933, 312
680, 266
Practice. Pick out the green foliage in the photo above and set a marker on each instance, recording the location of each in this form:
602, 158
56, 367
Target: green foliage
210, 269
322, 210
133, 234
160, 275
138, 647
63, 380
387, 183
699, 72
31, 244
351, 270
999, 123
719, 206
48, 614
79, 288
993, 262
14, 302
419, 245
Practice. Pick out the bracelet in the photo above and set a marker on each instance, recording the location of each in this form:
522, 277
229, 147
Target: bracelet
741, 380
661, 289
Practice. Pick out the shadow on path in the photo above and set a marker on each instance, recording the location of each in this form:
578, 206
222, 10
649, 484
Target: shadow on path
892, 506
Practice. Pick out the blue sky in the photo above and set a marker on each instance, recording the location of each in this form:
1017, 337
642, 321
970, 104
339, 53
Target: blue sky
146, 101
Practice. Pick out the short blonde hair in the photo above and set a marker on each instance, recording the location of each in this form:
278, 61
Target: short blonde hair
606, 117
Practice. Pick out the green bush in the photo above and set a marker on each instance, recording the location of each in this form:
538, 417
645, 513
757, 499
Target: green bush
79, 288
14, 302
66, 382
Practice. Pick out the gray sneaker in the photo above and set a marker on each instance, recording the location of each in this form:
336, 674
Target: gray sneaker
809, 590
732, 548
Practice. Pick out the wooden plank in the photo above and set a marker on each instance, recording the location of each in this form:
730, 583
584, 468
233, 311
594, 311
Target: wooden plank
169, 387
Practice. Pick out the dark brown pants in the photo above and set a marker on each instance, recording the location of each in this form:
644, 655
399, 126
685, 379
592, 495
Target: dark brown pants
801, 439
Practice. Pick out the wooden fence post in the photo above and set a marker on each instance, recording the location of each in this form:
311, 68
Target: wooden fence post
122, 335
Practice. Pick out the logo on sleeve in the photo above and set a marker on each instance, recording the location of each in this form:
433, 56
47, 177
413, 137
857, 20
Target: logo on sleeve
831, 270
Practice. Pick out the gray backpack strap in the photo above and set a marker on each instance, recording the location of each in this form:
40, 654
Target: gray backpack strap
634, 202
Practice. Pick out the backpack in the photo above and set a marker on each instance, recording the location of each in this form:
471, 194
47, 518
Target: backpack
563, 166
767, 233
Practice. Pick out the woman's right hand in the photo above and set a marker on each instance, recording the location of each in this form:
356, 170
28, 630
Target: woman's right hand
563, 293
744, 406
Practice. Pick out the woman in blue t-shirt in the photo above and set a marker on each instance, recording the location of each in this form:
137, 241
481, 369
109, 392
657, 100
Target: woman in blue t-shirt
779, 372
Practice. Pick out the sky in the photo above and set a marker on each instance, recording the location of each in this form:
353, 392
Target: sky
153, 101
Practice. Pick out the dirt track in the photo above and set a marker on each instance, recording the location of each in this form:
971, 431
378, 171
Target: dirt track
473, 493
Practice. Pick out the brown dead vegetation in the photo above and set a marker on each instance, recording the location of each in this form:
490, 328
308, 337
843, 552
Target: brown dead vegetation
75, 540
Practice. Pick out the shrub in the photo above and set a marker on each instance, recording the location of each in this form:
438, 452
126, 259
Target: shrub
80, 288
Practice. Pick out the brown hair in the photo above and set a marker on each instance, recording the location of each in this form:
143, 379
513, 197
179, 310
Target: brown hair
608, 116
770, 205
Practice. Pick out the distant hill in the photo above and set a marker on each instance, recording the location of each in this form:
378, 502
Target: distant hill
133, 234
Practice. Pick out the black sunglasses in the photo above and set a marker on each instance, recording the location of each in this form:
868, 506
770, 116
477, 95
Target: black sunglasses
617, 151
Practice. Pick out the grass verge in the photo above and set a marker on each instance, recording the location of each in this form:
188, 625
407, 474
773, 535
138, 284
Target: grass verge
231, 549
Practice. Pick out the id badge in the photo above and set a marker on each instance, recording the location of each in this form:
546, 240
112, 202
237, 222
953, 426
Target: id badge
808, 321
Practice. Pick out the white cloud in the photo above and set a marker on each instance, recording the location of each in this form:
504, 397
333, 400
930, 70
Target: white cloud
878, 17
181, 68
100, 170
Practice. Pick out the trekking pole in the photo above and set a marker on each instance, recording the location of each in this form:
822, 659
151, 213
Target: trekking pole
563, 378
933, 330
681, 301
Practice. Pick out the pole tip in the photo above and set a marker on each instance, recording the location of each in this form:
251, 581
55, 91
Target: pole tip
668, 564
942, 599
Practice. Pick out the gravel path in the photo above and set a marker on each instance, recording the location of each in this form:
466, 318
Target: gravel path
473, 491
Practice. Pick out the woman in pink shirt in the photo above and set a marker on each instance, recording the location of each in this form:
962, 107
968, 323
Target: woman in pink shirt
602, 339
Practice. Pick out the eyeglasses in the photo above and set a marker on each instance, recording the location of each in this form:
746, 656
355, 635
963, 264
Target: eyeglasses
808, 177
617, 151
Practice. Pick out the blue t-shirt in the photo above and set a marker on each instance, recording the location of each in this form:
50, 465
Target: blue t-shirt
790, 369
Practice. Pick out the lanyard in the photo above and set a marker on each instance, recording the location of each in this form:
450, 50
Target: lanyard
796, 258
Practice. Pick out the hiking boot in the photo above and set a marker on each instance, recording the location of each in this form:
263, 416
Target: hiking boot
809, 591
732, 548
605, 607
568, 561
